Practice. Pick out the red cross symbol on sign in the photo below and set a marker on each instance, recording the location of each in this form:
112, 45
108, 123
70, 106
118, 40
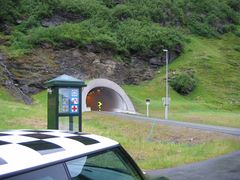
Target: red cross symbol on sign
74, 108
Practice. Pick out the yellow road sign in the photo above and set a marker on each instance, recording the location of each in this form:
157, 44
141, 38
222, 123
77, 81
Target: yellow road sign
99, 105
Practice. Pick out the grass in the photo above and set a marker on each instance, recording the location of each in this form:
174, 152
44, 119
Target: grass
16, 115
216, 99
167, 147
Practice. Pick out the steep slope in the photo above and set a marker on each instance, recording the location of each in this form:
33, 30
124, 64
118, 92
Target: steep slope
216, 99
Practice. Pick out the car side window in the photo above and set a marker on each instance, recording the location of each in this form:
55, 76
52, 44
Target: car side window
111, 164
56, 172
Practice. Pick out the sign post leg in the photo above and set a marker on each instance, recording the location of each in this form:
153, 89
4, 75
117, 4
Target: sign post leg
71, 123
147, 110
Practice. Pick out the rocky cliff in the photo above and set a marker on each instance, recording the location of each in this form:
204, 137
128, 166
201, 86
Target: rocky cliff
25, 75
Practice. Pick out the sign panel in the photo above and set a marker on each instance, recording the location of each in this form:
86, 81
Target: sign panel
99, 105
148, 100
166, 101
75, 92
74, 101
68, 100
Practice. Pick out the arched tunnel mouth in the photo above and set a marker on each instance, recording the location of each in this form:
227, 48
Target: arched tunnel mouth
105, 99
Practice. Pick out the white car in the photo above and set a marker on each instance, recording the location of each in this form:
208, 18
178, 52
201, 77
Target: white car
61, 155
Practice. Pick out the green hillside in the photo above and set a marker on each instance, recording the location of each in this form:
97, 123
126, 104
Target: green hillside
125, 27
216, 99
203, 105
205, 35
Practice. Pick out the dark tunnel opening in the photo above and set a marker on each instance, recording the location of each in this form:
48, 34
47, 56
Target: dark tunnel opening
105, 99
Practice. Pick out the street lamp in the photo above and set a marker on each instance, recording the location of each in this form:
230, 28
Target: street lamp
166, 100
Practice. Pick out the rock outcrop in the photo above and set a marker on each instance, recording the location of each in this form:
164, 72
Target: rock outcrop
26, 75
7, 79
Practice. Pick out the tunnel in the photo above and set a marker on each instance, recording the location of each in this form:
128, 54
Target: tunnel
105, 95
104, 99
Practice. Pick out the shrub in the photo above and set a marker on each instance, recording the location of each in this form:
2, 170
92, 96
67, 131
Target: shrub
145, 26
129, 35
37, 8
142, 36
86, 8
208, 18
8, 11
90, 31
183, 83
121, 12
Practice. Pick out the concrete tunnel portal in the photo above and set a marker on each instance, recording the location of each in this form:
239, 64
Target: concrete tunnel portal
105, 95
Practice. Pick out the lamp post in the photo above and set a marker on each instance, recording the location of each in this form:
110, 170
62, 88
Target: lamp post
166, 100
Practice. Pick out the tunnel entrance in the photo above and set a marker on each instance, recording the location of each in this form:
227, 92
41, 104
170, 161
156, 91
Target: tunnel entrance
105, 95
105, 99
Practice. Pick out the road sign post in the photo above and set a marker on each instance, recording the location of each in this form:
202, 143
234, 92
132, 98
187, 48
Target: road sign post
148, 103
64, 103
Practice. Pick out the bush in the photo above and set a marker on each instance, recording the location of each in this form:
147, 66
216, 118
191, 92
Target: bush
142, 36
37, 8
91, 31
122, 12
183, 83
208, 18
134, 26
85, 8
129, 35
8, 11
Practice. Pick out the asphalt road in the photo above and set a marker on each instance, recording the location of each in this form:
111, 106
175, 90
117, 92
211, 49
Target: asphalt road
220, 129
225, 167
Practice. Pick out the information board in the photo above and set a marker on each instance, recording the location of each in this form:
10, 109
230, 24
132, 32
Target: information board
68, 100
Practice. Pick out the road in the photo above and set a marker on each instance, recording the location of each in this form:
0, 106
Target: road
220, 129
225, 167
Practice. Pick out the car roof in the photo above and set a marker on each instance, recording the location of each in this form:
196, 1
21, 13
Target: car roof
22, 149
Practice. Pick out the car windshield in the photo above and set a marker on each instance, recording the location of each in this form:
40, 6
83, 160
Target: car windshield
111, 164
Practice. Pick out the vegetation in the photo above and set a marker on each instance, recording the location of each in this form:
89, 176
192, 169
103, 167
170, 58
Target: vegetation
125, 27
175, 145
166, 147
183, 83
145, 27
216, 98
16, 115
207, 72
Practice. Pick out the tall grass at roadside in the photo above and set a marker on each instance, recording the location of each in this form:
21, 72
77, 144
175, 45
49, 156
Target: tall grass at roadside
167, 147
